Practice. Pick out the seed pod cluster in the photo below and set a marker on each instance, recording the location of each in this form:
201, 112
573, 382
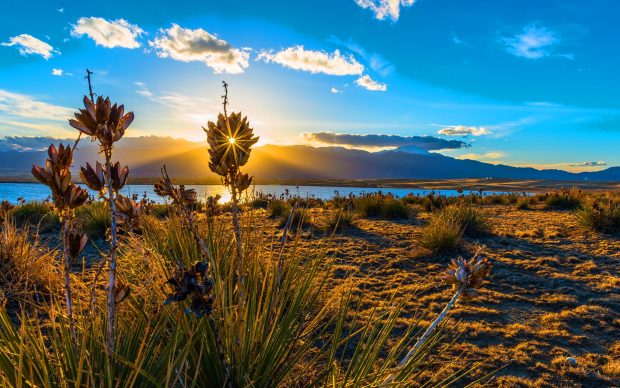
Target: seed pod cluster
230, 140
192, 282
179, 195
75, 241
128, 213
102, 120
57, 176
469, 274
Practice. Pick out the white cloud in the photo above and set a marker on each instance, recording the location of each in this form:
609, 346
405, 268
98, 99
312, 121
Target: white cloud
298, 58
57, 72
462, 130
198, 45
368, 83
109, 34
335, 91
24, 106
376, 61
28, 44
385, 8
590, 164
533, 43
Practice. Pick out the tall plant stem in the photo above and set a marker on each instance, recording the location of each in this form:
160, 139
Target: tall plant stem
240, 266
426, 334
113, 247
67, 270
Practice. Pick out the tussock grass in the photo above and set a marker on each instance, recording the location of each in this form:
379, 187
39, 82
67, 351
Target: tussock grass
340, 220
442, 234
27, 269
36, 213
94, 219
601, 214
278, 208
565, 199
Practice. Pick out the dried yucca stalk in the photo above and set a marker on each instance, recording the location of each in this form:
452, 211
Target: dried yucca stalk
66, 197
106, 123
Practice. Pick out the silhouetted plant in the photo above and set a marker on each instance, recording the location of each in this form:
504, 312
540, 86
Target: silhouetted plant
106, 123
66, 196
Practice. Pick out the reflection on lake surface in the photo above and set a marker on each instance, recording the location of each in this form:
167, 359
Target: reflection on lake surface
35, 191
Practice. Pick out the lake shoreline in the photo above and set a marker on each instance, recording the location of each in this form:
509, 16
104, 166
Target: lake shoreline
474, 184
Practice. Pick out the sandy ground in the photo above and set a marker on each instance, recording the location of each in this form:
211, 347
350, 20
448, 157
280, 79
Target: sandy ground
553, 293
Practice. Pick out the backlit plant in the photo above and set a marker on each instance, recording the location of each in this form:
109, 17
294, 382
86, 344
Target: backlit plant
66, 197
106, 123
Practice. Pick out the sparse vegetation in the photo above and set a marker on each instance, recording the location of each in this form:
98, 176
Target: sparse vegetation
600, 214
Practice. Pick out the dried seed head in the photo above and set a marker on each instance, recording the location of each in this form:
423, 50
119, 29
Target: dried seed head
93, 177
102, 120
467, 274
195, 284
230, 143
128, 213
179, 195
76, 242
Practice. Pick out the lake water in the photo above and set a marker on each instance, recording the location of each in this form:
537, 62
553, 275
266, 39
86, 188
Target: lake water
35, 191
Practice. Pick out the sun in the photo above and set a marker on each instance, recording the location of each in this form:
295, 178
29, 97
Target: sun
231, 140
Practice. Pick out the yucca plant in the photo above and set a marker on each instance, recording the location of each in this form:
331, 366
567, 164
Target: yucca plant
106, 123
66, 196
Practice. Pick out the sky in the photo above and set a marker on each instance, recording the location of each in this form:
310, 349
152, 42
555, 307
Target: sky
518, 82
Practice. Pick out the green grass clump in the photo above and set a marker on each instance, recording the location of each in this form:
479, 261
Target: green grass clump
524, 203
94, 219
469, 219
369, 205
277, 208
602, 215
341, 220
393, 208
563, 199
442, 234
36, 213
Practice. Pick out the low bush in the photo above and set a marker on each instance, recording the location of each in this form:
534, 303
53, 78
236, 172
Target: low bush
369, 205
602, 215
36, 213
299, 219
563, 199
277, 208
469, 219
393, 208
442, 234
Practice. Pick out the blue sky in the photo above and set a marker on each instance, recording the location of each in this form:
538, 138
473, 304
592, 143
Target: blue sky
522, 82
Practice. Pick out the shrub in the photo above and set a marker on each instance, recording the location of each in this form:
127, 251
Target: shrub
259, 203
523, 203
393, 208
94, 218
564, 199
277, 208
469, 219
369, 205
602, 215
34, 213
341, 220
442, 234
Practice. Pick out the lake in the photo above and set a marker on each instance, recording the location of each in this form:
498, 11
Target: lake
35, 191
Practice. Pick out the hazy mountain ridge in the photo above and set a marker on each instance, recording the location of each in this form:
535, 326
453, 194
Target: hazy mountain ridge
189, 160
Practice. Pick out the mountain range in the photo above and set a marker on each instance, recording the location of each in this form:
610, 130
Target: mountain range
188, 161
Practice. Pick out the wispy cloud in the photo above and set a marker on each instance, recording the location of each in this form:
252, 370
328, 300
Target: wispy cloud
375, 61
368, 83
462, 130
427, 143
60, 73
384, 9
335, 91
108, 33
28, 45
24, 106
532, 43
314, 61
187, 45
589, 164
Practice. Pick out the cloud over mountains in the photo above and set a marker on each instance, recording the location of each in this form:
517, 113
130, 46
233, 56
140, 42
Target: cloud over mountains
427, 143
